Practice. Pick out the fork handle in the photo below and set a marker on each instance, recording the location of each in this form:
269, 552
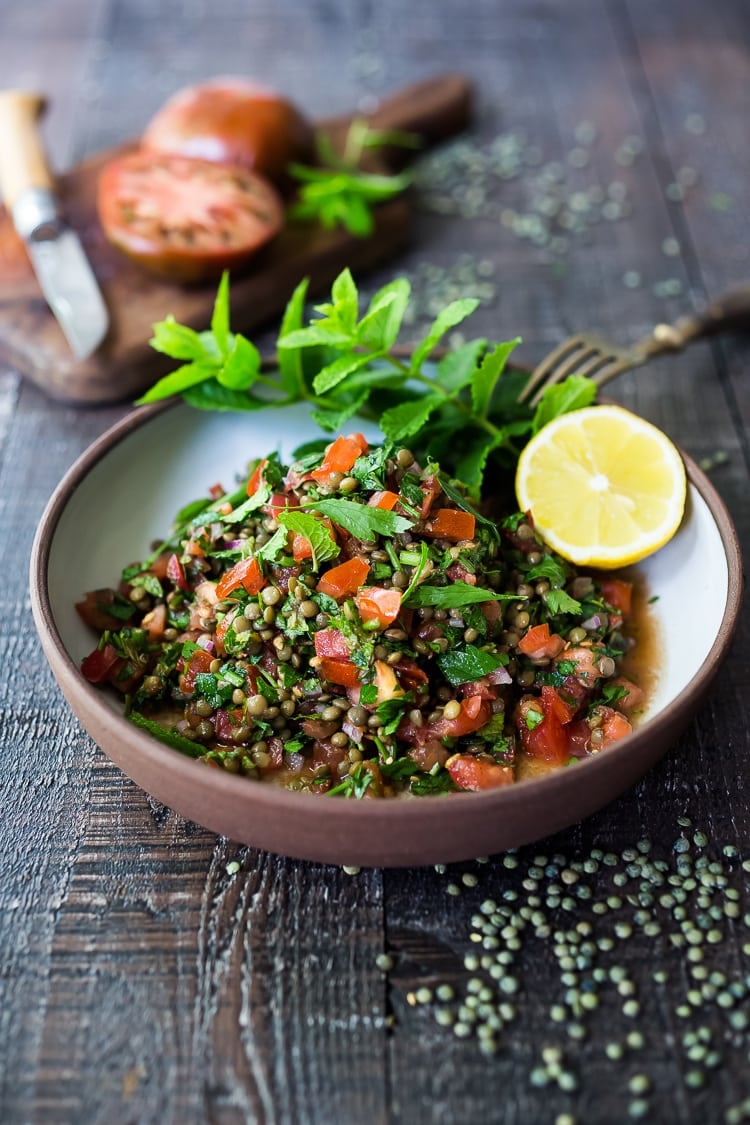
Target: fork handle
730, 310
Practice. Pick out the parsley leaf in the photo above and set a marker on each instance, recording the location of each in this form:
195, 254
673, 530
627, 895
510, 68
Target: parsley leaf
450, 597
315, 532
559, 601
360, 520
463, 665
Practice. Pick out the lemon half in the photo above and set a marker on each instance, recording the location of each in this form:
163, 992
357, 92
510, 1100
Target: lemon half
604, 487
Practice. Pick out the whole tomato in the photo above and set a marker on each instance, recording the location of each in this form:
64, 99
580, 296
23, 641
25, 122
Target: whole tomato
232, 121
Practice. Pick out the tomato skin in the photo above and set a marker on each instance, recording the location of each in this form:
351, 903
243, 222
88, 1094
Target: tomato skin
245, 573
256, 477
232, 121
386, 500
340, 456
617, 593
93, 610
198, 662
468, 772
538, 643
431, 489
102, 665
331, 643
451, 523
176, 572
344, 579
341, 672
376, 603
548, 739
187, 220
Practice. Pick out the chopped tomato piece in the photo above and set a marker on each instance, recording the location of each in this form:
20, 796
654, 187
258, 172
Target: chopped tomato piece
222, 627
451, 523
431, 489
331, 643
376, 603
176, 572
301, 545
586, 661
340, 456
159, 567
633, 698
256, 477
341, 672
539, 643
386, 682
198, 662
346, 578
386, 500
541, 723
410, 674
618, 594
475, 714
155, 622
468, 772
93, 610
614, 726
278, 501
245, 573
102, 664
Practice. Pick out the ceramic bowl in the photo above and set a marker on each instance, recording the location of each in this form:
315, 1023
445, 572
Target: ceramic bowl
123, 493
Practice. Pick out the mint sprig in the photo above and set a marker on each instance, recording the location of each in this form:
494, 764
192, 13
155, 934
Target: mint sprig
461, 411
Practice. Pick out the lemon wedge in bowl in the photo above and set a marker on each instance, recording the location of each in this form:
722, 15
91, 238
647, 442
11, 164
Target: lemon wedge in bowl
604, 487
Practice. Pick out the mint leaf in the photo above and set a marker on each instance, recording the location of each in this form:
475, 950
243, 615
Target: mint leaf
380, 326
462, 666
408, 418
315, 335
450, 597
316, 533
276, 546
260, 497
470, 469
458, 368
178, 341
291, 374
212, 396
220, 316
489, 372
189, 375
451, 315
332, 420
360, 520
335, 372
241, 367
574, 393
345, 301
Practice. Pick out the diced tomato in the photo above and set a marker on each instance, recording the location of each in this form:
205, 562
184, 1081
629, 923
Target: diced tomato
386, 500
226, 722
410, 674
176, 572
614, 726
475, 714
341, 672
458, 573
492, 612
538, 643
451, 523
198, 662
632, 700
376, 603
159, 567
618, 594
386, 682
194, 549
245, 573
155, 622
344, 579
340, 456
102, 665
586, 661
545, 738
256, 477
93, 610
331, 643
431, 489
215, 491
468, 772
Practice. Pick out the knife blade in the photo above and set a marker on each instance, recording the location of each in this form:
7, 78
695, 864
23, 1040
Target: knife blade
64, 273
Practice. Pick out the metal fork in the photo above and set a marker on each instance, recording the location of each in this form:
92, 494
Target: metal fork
584, 354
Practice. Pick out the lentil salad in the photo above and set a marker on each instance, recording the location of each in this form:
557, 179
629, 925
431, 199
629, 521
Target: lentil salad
351, 624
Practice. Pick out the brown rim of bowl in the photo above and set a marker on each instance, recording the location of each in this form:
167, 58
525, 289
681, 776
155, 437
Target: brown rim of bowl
380, 813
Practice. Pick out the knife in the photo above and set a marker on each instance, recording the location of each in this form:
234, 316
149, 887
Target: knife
62, 269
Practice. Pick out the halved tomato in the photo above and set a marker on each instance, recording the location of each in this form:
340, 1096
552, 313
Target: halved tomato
186, 219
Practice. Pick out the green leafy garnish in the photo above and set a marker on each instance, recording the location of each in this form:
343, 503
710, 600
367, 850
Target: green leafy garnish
463, 665
337, 193
461, 411
168, 737
360, 520
453, 596
315, 532
558, 601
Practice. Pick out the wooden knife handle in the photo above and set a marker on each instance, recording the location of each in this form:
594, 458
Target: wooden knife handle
23, 164
434, 109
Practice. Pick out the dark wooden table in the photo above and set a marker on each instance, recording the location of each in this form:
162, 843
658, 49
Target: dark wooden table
153, 972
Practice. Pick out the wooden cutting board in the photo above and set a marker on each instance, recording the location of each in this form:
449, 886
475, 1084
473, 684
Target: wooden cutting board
32, 342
